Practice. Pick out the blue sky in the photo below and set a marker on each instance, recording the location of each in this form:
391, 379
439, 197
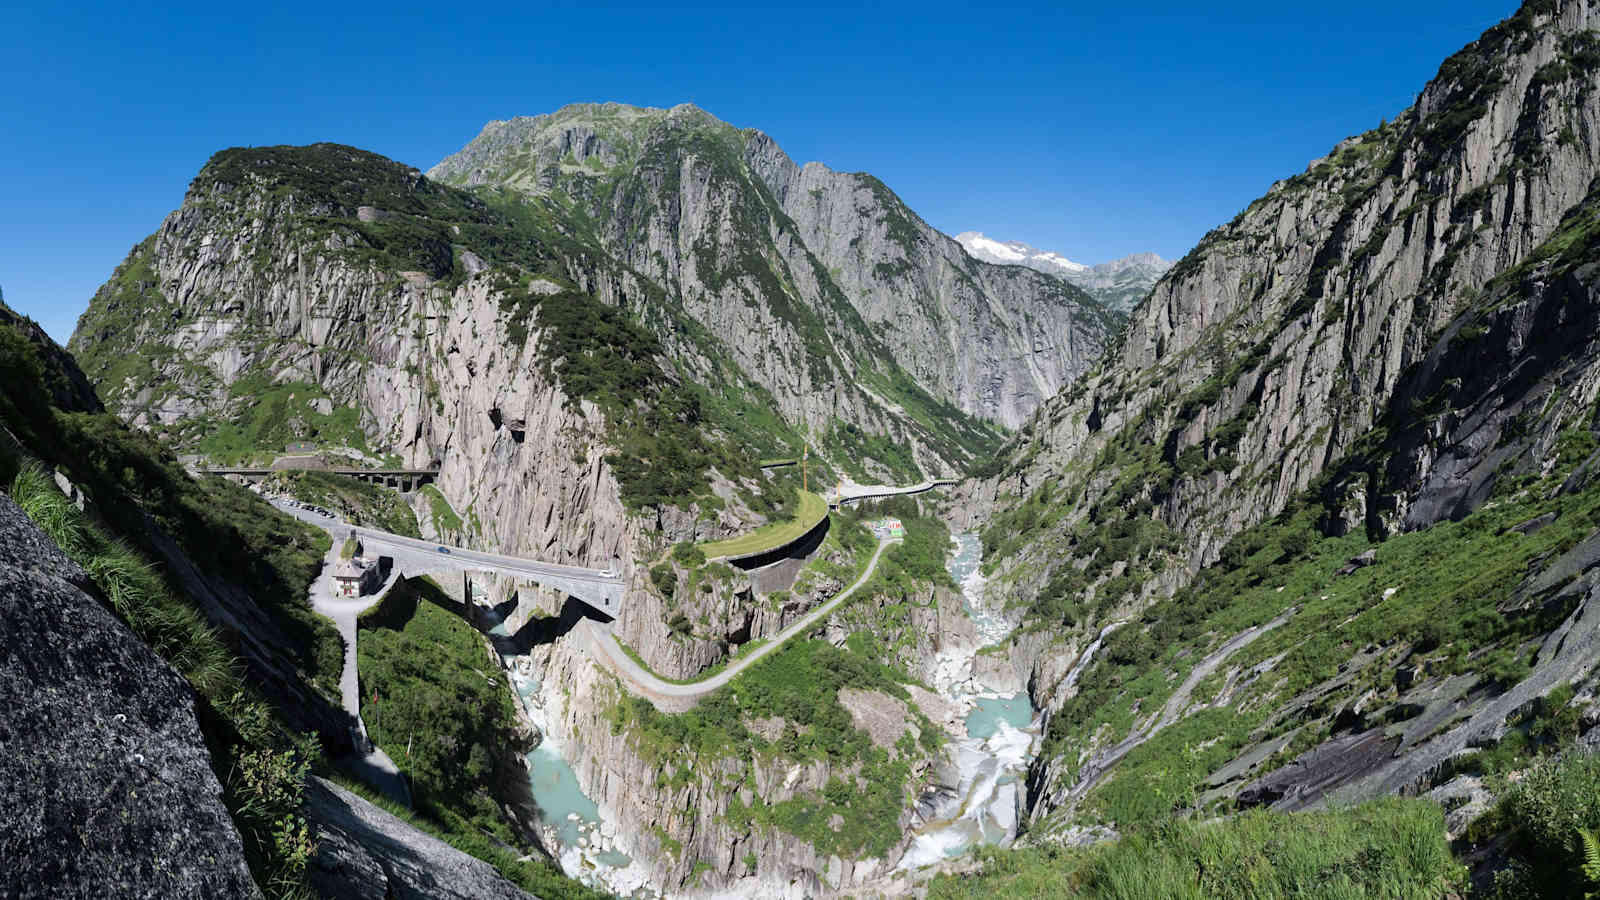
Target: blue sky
1096, 130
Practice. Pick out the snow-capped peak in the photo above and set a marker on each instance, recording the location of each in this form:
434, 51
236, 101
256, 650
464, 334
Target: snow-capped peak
1014, 253
1118, 284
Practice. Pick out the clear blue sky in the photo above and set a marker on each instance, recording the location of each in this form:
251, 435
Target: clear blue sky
1096, 130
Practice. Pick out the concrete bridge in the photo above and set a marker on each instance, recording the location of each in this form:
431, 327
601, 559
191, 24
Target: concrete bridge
852, 491
600, 588
399, 479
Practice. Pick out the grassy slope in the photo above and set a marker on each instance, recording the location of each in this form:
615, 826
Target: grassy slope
1393, 848
435, 702
138, 489
813, 509
1432, 600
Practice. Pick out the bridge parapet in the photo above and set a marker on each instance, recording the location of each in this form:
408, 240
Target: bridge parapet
602, 593
399, 479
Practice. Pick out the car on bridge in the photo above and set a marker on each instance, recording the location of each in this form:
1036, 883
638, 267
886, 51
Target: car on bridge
443, 549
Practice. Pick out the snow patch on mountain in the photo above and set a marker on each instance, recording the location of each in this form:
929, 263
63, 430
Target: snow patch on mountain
1119, 284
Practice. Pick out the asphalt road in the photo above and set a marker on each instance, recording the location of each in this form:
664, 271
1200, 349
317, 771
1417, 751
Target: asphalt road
647, 684
853, 491
461, 556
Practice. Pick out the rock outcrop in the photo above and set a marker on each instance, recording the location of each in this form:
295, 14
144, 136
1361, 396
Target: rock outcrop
105, 778
364, 852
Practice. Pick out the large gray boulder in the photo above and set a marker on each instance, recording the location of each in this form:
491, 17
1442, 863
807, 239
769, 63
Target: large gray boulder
106, 787
364, 853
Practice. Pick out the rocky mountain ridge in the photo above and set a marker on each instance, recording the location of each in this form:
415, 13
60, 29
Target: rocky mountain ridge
714, 213
1119, 284
587, 402
1295, 371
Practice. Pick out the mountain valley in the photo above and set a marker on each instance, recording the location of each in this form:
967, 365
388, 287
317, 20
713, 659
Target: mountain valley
619, 508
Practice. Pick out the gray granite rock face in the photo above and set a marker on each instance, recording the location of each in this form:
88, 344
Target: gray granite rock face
1309, 309
364, 852
106, 787
1359, 295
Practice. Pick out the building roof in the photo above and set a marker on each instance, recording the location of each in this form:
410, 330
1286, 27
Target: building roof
349, 569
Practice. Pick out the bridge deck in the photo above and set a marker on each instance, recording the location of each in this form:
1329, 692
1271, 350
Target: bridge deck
244, 470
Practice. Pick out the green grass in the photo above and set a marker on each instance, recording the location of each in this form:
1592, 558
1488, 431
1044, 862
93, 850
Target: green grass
813, 509
445, 520
262, 766
140, 492
436, 703
356, 501
1432, 599
1390, 848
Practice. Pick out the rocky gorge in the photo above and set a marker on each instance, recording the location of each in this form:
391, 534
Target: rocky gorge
1300, 537
387, 316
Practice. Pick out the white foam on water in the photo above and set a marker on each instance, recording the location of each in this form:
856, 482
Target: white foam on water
990, 767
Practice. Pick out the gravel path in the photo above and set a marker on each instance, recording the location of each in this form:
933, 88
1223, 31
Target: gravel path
1174, 708
369, 762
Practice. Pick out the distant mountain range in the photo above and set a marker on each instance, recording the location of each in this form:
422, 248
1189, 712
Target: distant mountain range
1120, 284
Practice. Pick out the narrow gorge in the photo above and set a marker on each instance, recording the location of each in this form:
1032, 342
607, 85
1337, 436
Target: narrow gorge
619, 508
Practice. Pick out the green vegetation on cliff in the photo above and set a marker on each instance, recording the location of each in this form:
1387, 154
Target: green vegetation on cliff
798, 684
438, 705
1439, 600
143, 505
263, 417
787, 710
144, 496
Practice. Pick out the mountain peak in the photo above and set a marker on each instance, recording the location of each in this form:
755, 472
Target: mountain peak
1120, 284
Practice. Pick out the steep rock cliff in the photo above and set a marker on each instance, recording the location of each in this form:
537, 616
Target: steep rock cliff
1276, 344
723, 217
1343, 346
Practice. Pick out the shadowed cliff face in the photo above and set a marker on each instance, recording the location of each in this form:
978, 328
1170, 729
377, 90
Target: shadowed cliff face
1378, 346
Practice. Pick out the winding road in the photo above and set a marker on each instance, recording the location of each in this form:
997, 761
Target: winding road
647, 684
368, 762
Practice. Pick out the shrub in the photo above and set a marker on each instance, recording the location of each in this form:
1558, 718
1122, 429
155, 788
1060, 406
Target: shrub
1545, 814
433, 701
688, 554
